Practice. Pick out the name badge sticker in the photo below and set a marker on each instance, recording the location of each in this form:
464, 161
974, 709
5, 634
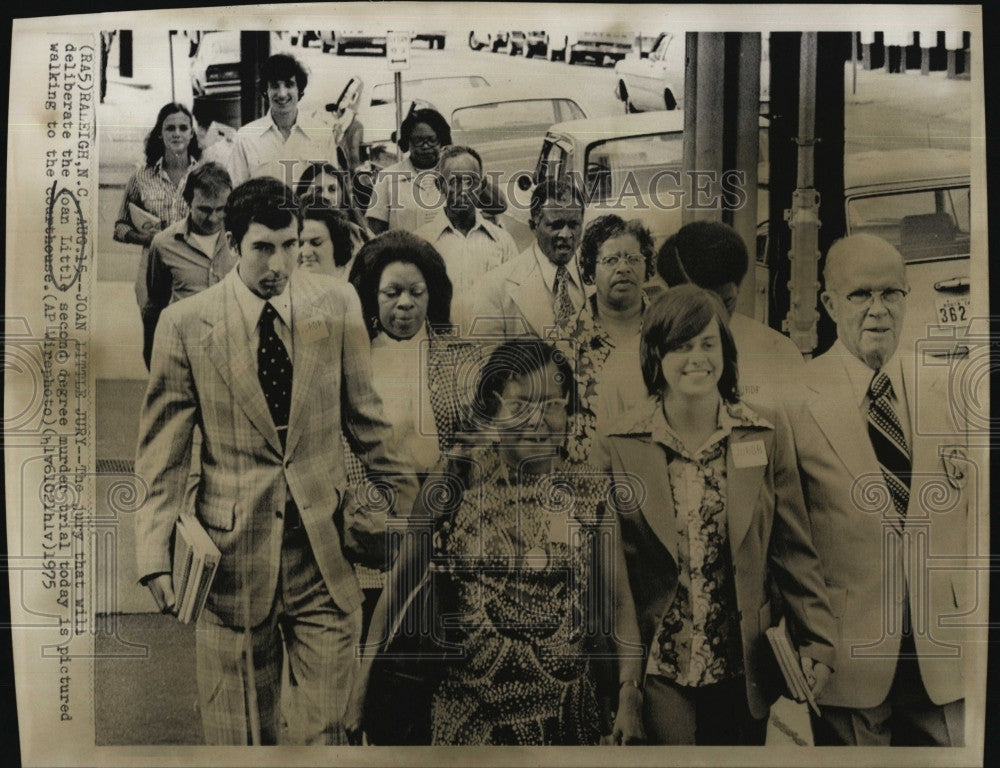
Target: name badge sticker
313, 329
749, 454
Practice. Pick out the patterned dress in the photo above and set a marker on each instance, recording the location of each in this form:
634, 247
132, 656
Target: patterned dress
518, 558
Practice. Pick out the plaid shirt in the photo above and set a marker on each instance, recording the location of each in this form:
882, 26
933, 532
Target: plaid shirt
151, 189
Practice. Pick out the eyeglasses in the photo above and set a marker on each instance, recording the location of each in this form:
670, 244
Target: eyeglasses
632, 259
430, 141
395, 291
520, 410
864, 298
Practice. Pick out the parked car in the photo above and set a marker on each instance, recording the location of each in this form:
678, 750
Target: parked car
572, 47
385, 93
479, 39
623, 165
528, 44
215, 68
654, 82
341, 40
434, 39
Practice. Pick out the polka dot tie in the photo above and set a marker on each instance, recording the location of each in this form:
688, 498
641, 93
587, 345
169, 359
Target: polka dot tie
889, 443
274, 369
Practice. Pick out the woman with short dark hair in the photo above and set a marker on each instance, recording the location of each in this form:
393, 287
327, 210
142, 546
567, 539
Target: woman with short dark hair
616, 256
406, 195
326, 242
523, 572
713, 523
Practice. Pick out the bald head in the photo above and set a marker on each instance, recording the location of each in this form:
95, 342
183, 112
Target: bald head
866, 296
848, 252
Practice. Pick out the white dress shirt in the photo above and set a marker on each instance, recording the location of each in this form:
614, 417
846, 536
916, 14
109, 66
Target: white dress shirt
260, 149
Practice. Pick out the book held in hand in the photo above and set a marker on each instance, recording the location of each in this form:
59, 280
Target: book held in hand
788, 662
142, 219
196, 559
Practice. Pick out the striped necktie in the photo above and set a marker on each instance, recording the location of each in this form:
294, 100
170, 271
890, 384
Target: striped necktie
886, 434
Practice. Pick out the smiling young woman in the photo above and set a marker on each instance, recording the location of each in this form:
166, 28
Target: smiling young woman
718, 520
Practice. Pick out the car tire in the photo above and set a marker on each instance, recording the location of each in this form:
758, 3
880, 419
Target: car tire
512, 50
668, 100
571, 56
527, 51
440, 43
327, 48
555, 54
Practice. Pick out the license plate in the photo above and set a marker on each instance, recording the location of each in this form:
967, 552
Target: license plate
953, 310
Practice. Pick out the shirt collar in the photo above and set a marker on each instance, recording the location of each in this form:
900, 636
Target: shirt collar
304, 123
251, 304
159, 170
443, 224
548, 269
860, 375
729, 416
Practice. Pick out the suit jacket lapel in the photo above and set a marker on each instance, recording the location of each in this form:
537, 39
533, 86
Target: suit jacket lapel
845, 431
647, 460
308, 330
531, 295
742, 487
228, 347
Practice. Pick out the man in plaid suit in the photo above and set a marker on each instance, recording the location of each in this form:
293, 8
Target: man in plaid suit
270, 364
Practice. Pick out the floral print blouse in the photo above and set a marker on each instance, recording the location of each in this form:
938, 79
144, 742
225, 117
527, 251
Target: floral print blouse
698, 642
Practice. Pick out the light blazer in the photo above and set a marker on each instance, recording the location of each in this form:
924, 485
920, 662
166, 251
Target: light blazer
769, 539
204, 372
846, 495
513, 300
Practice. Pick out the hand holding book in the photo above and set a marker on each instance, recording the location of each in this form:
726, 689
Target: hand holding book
804, 677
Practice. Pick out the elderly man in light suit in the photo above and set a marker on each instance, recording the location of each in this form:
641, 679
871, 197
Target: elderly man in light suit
270, 364
885, 487
541, 289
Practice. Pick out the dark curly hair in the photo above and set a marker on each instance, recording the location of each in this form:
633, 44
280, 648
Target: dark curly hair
706, 253
283, 66
399, 245
602, 229
677, 316
429, 117
154, 140
315, 207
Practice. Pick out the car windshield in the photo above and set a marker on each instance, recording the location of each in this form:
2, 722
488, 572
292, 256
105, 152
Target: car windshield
924, 224
510, 119
632, 166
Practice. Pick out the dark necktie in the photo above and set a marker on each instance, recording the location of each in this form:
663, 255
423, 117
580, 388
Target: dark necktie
563, 307
889, 443
274, 369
